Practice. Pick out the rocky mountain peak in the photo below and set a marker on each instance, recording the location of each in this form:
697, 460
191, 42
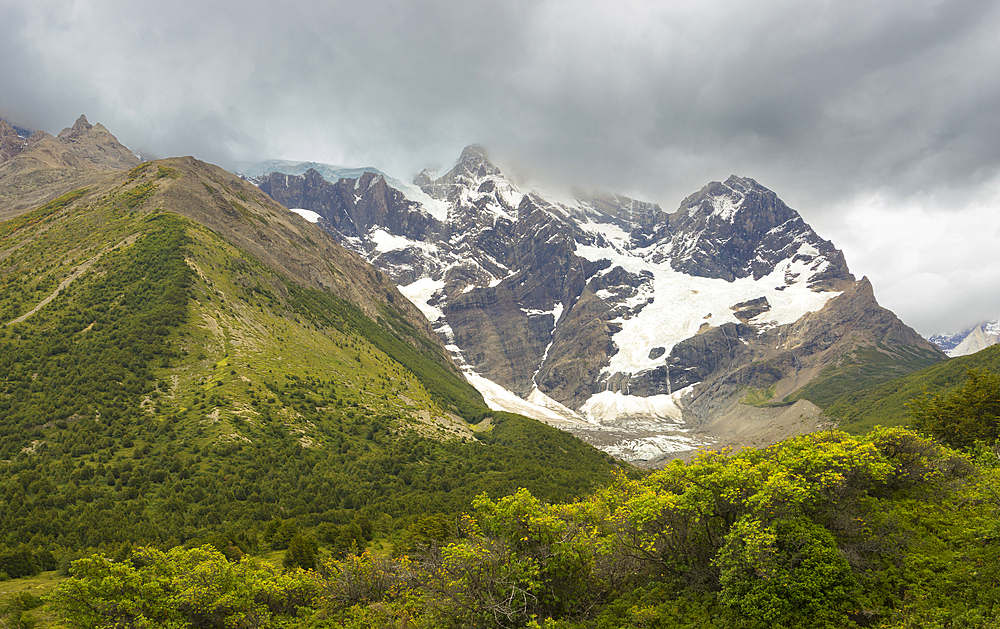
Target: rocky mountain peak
743, 184
74, 133
472, 168
474, 163
719, 201
741, 229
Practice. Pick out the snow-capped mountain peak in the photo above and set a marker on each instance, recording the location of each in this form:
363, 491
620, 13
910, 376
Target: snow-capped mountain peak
599, 309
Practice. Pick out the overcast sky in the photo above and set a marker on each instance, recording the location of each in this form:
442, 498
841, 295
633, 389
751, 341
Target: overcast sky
878, 121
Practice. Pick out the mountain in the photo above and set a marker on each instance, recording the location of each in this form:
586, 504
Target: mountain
637, 329
184, 360
968, 341
11, 142
42, 167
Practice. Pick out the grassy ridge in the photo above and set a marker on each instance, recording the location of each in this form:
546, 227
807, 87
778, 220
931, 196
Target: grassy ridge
865, 367
399, 339
885, 404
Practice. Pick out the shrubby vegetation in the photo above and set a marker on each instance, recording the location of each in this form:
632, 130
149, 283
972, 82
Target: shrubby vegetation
196, 587
824, 530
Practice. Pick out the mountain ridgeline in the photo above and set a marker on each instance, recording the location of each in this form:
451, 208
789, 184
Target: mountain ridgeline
182, 359
642, 331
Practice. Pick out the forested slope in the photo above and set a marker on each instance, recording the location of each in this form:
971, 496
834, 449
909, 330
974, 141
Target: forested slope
825, 530
159, 384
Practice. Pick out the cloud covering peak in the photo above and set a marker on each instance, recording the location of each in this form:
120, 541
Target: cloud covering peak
861, 115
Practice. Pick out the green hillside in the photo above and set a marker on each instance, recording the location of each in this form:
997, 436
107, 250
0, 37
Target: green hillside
861, 410
864, 367
161, 385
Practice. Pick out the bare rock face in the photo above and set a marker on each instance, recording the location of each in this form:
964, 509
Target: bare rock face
10, 142
746, 310
77, 132
96, 147
351, 208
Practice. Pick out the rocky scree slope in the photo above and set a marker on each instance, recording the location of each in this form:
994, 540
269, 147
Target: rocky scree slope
638, 329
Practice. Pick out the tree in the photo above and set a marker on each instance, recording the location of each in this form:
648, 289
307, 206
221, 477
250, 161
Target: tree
966, 415
786, 574
302, 551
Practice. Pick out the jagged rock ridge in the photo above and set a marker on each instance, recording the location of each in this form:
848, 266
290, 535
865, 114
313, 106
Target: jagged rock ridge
41, 167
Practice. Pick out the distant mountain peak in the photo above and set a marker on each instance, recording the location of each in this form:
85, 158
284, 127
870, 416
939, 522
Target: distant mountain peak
78, 130
473, 163
968, 341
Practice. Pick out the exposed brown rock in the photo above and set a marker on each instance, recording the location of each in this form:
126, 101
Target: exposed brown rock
49, 166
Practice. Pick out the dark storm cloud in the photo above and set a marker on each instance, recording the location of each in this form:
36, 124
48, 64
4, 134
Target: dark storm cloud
847, 109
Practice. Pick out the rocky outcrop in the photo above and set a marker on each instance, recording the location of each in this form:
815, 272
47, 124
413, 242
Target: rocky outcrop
95, 147
352, 207
10, 142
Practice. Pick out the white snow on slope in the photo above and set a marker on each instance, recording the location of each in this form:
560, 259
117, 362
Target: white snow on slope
309, 215
435, 207
502, 190
420, 292
556, 312
611, 406
385, 242
725, 208
682, 303
647, 448
500, 399
538, 398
